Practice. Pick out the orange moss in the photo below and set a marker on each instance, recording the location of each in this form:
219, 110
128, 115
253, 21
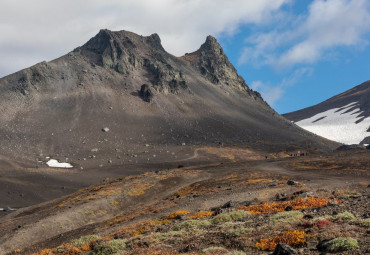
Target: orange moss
200, 215
140, 227
45, 252
254, 181
296, 204
177, 213
92, 194
291, 237
139, 189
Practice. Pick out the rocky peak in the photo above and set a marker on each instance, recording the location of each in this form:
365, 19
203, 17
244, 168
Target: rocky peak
212, 46
155, 41
214, 65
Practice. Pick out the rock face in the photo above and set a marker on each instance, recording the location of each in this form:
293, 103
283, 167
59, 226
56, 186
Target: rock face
214, 65
126, 52
60, 107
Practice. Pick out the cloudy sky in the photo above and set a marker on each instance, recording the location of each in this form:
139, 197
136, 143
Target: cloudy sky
296, 53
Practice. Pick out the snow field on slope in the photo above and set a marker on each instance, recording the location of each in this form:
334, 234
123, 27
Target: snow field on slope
338, 126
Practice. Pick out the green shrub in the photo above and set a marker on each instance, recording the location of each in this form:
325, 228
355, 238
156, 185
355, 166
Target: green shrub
342, 244
344, 216
225, 217
85, 240
234, 229
109, 247
235, 253
213, 249
192, 224
286, 217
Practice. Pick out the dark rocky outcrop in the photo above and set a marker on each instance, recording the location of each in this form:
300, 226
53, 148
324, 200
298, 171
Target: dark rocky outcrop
284, 249
145, 93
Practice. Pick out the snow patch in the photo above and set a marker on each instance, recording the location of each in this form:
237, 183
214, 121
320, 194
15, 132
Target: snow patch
55, 163
338, 124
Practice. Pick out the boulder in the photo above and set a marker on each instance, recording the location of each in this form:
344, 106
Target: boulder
145, 93
284, 249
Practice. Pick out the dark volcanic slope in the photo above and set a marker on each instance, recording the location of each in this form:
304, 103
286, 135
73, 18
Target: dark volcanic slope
59, 108
360, 95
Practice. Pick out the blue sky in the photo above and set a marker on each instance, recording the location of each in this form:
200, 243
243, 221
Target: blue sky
295, 52
301, 83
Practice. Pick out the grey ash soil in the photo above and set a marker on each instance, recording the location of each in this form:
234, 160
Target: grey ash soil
58, 109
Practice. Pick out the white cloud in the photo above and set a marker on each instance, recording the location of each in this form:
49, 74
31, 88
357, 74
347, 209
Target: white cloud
36, 30
328, 24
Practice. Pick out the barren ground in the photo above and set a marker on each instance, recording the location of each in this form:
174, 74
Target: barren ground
135, 210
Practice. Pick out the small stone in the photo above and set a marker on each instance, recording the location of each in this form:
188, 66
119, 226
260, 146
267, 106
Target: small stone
273, 184
332, 202
284, 249
292, 182
288, 208
105, 129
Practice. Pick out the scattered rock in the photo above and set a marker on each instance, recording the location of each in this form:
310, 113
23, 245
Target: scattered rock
288, 208
306, 194
284, 249
95, 149
105, 129
228, 205
273, 184
332, 202
308, 216
292, 182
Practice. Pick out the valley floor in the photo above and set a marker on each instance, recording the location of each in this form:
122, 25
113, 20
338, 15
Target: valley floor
237, 203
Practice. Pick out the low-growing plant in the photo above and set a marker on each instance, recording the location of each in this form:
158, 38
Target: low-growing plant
191, 224
290, 217
323, 223
344, 216
296, 204
177, 213
230, 216
200, 215
291, 237
213, 250
235, 253
85, 240
109, 247
342, 244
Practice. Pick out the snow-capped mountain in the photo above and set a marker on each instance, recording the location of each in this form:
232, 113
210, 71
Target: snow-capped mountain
343, 118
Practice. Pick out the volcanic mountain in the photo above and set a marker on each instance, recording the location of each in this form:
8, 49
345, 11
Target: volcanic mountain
63, 108
343, 118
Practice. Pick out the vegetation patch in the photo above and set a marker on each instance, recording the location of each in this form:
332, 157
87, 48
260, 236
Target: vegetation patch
295, 204
176, 214
200, 215
290, 217
338, 244
293, 238
225, 217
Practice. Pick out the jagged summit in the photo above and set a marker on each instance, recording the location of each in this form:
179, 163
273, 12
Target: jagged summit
215, 66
